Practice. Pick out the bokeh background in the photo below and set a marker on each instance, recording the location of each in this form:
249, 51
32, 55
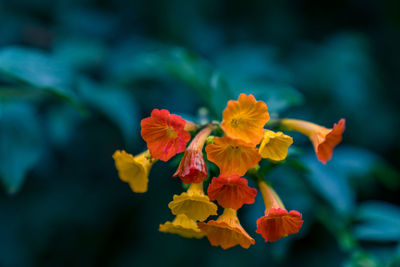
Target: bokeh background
77, 76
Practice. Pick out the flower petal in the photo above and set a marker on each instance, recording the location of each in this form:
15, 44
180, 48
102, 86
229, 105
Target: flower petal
232, 156
245, 118
231, 191
275, 146
164, 134
279, 223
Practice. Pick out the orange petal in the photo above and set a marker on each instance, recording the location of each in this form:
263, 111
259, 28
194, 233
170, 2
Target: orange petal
231, 191
333, 138
324, 140
279, 223
245, 118
232, 156
226, 231
164, 134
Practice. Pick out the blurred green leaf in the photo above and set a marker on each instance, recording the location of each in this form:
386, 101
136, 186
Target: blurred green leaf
361, 258
61, 122
246, 63
256, 70
330, 184
156, 61
37, 70
115, 103
380, 221
80, 53
21, 143
278, 97
355, 162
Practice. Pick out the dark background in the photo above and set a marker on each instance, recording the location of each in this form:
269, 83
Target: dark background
77, 76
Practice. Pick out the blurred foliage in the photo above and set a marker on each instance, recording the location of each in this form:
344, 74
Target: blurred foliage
76, 77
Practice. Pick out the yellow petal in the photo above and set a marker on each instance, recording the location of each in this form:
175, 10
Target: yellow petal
133, 170
275, 146
182, 226
194, 204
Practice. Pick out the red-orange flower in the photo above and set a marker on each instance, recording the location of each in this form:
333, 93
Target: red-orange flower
226, 231
164, 134
324, 140
277, 222
232, 156
192, 168
245, 118
231, 191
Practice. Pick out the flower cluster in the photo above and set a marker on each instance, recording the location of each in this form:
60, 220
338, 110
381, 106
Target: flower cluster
244, 143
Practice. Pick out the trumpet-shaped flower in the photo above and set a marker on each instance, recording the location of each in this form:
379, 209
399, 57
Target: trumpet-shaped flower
192, 168
193, 203
277, 222
275, 146
182, 226
231, 191
164, 134
226, 231
134, 170
232, 156
245, 118
324, 140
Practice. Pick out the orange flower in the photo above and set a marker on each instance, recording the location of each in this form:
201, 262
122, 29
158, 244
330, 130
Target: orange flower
192, 168
277, 222
231, 191
164, 134
226, 231
232, 156
245, 118
323, 139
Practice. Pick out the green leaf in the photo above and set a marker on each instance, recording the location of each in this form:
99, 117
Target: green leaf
330, 184
36, 70
380, 221
61, 124
154, 61
278, 97
21, 143
363, 164
115, 103
80, 53
246, 63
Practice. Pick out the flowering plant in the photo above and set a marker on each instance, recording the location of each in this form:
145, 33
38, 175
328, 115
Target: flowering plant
236, 145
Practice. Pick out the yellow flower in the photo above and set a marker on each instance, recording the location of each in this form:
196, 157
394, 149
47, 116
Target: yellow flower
134, 170
193, 203
182, 226
275, 146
